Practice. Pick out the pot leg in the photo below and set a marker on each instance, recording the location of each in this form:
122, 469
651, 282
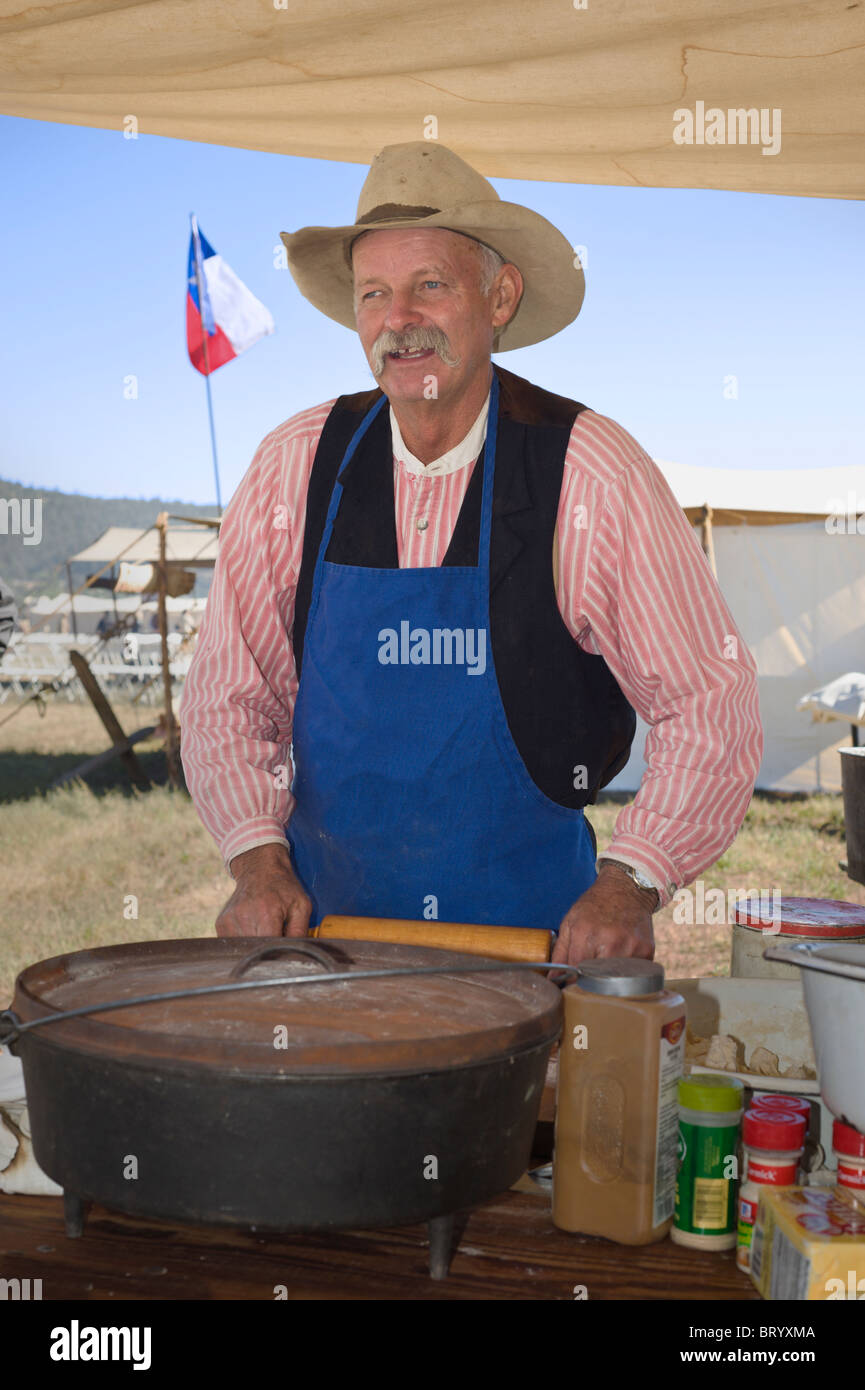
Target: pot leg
441, 1235
75, 1211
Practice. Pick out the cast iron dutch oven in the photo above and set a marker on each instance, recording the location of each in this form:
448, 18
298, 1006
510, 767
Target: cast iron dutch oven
336, 1101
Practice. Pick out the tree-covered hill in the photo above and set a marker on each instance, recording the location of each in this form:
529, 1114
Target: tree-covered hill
69, 522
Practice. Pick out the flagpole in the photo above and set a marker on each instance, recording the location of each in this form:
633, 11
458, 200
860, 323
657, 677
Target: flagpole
212, 430
204, 336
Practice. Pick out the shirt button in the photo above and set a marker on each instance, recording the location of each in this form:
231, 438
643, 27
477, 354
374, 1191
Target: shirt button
422, 524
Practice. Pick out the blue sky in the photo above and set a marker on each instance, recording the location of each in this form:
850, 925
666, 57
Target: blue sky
684, 289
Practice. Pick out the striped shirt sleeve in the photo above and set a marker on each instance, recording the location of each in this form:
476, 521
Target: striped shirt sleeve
238, 700
638, 590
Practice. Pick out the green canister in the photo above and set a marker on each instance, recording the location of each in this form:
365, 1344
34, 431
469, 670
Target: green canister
710, 1112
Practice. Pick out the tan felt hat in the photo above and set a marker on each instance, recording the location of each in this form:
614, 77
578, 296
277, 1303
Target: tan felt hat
424, 184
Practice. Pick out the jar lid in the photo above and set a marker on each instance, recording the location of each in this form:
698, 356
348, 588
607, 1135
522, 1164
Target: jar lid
710, 1092
848, 1140
773, 1130
825, 918
622, 975
779, 1103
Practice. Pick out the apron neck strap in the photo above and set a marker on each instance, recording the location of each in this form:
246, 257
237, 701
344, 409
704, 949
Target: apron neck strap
489, 463
337, 487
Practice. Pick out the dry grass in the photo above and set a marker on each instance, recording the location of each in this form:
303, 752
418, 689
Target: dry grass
790, 844
79, 853
73, 857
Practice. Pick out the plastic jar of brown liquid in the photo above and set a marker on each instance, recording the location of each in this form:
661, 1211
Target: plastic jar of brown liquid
616, 1134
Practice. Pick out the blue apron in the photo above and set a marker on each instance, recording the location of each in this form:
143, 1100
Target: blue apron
412, 799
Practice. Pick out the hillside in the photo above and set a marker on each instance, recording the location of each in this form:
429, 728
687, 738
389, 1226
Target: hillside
70, 521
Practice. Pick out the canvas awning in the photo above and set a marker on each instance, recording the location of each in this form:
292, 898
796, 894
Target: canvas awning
185, 545
566, 90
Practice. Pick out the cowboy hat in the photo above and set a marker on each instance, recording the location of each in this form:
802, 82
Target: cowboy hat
424, 184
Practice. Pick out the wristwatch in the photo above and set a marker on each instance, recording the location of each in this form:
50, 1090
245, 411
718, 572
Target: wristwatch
634, 875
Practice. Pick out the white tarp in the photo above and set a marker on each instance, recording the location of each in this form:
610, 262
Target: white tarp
797, 593
842, 699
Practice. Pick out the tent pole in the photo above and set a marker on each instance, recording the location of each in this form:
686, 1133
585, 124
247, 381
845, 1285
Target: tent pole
170, 727
706, 537
71, 599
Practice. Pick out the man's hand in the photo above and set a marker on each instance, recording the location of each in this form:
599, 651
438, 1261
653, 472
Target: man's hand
268, 900
612, 918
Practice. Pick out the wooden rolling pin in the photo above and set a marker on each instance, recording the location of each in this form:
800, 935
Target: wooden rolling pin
500, 943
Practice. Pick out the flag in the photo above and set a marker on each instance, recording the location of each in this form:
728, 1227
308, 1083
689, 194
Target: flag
231, 316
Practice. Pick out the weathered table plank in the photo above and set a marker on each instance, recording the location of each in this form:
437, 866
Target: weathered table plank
509, 1250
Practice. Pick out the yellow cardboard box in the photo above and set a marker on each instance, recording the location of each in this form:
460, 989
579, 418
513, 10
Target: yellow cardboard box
809, 1243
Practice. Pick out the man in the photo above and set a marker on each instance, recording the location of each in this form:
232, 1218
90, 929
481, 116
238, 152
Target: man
446, 594
8, 616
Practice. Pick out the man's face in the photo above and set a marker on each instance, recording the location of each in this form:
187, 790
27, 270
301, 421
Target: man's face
420, 288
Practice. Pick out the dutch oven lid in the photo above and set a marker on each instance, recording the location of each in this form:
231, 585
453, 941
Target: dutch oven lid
403, 1024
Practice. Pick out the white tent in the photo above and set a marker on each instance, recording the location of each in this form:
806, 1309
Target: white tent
797, 591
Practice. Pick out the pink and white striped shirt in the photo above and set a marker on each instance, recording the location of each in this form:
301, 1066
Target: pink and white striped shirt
633, 586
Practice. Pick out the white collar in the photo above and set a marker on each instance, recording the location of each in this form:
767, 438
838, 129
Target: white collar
461, 454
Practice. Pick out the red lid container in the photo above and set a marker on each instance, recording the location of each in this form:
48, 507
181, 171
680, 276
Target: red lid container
782, 1104
773, 1131
847, 1140
825, 918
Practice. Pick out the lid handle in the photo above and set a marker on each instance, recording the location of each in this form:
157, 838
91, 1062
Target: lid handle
299, 947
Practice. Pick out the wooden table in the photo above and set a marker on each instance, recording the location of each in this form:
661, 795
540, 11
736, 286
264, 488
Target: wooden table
509, 1250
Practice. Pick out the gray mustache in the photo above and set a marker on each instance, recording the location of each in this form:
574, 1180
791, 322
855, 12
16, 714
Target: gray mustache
413, 340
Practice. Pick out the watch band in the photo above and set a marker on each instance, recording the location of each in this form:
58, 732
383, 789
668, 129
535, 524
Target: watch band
634, 875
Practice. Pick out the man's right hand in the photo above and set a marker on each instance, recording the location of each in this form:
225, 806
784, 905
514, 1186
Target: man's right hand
268, 900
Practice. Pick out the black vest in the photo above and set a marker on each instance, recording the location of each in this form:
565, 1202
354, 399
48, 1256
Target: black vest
564, 708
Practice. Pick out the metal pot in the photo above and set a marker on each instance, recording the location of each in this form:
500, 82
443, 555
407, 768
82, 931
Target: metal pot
332, 1101
834, 987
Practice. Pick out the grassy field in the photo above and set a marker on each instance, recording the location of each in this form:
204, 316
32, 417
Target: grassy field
79, 862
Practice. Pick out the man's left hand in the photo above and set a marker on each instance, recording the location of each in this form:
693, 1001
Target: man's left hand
612, 918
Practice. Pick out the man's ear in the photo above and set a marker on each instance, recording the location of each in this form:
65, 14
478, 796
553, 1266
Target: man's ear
508, 294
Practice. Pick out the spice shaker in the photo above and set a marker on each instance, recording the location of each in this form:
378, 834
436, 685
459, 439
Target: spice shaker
622, 1053
710, 1108
773, 1141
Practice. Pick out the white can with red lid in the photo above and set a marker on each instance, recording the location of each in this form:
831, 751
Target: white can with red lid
773, 1141
849, 1146
759, 922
